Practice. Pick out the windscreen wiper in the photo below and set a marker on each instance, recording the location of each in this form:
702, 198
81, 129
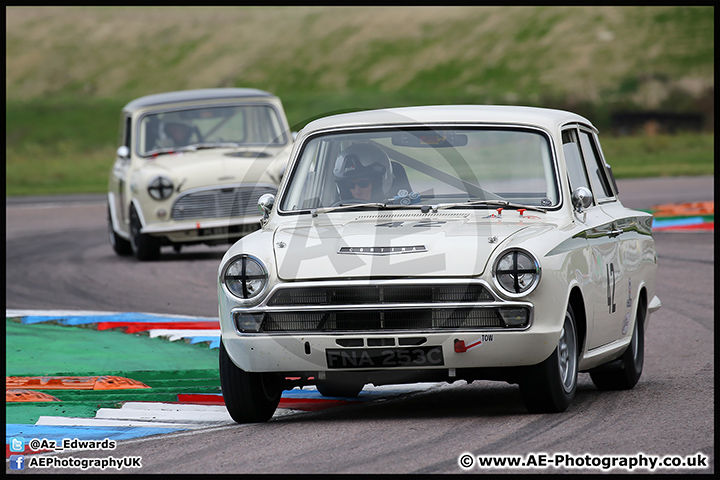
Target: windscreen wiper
168, 150
350, 206
347, 206
217, 145
497, 203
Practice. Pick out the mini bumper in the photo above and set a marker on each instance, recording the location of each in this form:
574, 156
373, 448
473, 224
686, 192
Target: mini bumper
204, 229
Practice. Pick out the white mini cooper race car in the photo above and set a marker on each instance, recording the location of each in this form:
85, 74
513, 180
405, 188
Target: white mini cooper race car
438, 243
191, 166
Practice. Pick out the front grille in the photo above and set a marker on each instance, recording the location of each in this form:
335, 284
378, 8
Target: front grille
394, 307
220, 202
364, 320
375, 294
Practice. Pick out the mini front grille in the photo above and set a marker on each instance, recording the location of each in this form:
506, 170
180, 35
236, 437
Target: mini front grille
358, 295
220, 202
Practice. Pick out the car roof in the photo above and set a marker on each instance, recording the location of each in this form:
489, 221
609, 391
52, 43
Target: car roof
443, 114
195, 95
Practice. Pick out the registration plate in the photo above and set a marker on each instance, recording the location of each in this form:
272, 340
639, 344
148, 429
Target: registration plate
384, 357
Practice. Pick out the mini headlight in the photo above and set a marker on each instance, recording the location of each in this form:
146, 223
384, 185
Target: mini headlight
245, 277
516, 272
160, 188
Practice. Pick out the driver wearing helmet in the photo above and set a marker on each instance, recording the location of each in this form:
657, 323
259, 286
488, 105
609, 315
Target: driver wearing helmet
177, 131
363, 172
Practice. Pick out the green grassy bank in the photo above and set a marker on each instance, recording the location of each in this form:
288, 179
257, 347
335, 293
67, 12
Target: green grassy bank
69, 70
69, 147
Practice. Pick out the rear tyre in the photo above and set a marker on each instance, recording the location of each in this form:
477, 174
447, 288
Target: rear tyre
145, 247
249, 397
624, 373
120, 245
549, 387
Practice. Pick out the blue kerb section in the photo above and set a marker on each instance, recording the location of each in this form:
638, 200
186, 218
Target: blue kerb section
214, 340
297, 393
86, 319
678, 222
58, 432
313, 393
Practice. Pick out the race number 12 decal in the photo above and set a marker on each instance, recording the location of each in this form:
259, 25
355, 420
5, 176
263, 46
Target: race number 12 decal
611, 293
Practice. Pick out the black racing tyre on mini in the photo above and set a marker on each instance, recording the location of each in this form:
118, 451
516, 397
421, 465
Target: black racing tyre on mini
121, 246
624, 373
249, 397
145, 247
549, 387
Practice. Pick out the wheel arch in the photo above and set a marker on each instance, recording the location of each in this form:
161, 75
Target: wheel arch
642, 301
117, 224
577, 302
135, 205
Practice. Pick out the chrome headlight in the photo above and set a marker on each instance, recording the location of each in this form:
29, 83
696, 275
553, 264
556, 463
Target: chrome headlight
516, 272
160, 188
245, 277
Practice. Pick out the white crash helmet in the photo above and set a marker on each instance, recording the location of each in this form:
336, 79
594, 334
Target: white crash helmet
364, 160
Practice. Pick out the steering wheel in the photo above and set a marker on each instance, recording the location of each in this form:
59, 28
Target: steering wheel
199, 135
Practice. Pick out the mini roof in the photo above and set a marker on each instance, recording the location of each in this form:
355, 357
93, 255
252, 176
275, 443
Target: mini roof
195, 95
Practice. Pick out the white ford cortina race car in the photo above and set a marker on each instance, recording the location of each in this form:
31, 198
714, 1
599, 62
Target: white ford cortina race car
438, 243
191, 166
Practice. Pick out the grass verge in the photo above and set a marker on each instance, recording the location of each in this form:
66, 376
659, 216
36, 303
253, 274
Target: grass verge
65, 147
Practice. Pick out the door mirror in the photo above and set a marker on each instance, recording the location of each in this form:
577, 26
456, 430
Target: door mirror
582, 198
123, 152
265, 204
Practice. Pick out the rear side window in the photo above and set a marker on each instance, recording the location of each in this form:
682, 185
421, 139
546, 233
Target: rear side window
574, 160
124, 135
596, 166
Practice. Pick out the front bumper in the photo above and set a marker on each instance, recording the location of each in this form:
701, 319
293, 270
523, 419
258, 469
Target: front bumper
322, 331
308, 353
204, 230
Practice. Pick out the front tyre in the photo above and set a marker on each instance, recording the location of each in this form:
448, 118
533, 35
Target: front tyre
549, 387
624, 373
144, 247
249, 397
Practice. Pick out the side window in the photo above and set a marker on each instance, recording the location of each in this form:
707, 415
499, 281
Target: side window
128, 130
595, 166
124, 129
574, 160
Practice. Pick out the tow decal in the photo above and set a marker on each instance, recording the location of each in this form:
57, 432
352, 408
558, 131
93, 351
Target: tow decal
461, 347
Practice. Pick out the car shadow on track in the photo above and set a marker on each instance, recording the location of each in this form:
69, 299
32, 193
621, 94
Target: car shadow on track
480, 398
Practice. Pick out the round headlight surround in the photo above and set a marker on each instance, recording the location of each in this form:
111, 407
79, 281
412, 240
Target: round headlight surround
245, 277
516, 272
160, 187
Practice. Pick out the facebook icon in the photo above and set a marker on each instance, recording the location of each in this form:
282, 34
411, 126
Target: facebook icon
17, 462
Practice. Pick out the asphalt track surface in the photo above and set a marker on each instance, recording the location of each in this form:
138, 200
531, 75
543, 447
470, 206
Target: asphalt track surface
58, 257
